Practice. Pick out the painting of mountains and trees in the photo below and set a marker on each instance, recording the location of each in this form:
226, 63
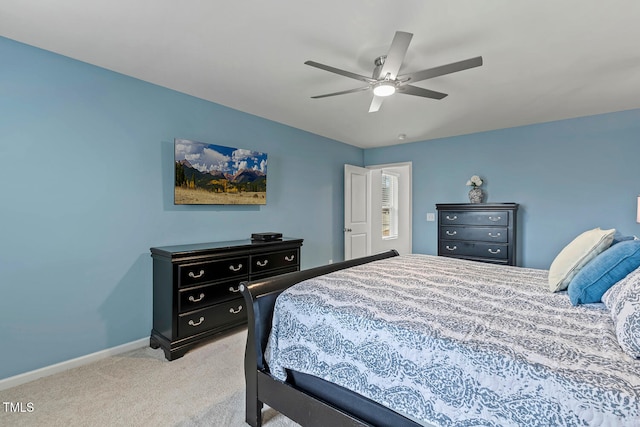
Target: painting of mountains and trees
207, 174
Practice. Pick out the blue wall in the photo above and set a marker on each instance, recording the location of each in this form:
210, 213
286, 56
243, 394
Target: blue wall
568, 176
86, 183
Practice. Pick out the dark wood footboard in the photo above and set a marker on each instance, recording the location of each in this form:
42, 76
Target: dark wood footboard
261, 388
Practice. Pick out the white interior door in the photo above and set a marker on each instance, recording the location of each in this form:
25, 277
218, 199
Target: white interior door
357, 212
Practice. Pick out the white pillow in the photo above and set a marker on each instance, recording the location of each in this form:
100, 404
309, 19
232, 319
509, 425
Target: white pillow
576, 255
623, 300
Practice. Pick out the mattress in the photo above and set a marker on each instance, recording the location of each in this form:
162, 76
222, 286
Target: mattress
451, 342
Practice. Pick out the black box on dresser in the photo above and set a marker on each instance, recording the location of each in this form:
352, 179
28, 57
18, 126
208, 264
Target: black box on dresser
196, 292
485, 232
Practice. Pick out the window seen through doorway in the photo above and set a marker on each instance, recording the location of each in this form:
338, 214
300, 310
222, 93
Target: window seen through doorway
389, 205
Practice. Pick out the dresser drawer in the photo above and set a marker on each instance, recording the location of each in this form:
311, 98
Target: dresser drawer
203, 272
284, 270
216, 316
276, 260
474, 218
484, 234
474, 249
202, 296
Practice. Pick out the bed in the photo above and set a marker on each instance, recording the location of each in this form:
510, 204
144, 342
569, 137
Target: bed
421, 340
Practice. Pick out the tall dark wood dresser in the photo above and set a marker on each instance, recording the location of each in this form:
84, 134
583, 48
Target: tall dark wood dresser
484, 232
195, 287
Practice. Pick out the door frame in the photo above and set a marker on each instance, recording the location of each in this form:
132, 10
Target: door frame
405, 189
374, 218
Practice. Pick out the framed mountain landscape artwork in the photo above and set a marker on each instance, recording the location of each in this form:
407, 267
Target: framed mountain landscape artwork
208, 174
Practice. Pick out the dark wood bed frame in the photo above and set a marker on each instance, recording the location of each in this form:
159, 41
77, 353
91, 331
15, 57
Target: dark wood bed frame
306, 400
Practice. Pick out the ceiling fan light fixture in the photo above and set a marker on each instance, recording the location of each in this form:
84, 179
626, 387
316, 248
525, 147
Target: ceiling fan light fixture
384, 89
385, 80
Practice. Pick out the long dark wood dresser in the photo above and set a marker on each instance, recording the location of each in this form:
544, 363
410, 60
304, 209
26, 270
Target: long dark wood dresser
195, 287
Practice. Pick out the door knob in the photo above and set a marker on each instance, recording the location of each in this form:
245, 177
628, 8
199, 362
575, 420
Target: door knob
347, 230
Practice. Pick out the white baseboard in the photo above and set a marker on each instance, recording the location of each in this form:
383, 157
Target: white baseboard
70, 364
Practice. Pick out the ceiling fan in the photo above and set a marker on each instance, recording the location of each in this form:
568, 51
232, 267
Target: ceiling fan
385, 80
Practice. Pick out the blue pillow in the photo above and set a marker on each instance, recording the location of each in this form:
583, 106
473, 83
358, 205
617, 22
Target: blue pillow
619, 237
604, 271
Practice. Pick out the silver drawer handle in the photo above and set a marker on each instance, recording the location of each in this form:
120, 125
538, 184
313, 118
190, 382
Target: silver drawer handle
196, 276
451, 233
192, 299
497, 251
232, 268
232, 289
192, 323
495, 218
494, 235
289, 259
449, 248
262, 263
231, 310
452, 218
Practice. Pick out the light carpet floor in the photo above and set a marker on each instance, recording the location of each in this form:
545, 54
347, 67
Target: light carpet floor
142, 388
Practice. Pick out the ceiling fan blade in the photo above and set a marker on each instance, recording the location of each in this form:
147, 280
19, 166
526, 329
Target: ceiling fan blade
376, 103
360, 89
418, 91
396, 54
341, 72
442, 70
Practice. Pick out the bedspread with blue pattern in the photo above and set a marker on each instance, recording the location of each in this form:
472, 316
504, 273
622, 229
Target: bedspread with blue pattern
452, 342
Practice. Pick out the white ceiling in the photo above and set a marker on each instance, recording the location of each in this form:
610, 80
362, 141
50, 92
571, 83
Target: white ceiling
544, 60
